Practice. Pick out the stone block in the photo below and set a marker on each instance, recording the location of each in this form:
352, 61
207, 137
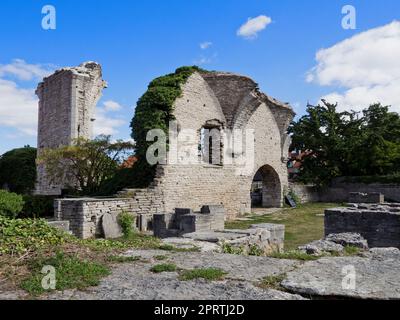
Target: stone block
111, 227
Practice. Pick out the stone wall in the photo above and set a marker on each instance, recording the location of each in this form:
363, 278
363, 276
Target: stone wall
378, 224
85, 215
306, 193
67, 101
339, 191
234, 102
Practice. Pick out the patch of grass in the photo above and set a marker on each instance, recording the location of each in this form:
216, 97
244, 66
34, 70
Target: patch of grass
166, 267
351, 251
71, 273
161, 258
294, 255
302, 223
272, 282
210, 274
169, 247
122, 259
134, 241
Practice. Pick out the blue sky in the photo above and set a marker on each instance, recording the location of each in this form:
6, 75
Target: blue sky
135, 41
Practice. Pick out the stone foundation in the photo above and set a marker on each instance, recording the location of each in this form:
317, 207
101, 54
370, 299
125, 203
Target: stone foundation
85, 215
379, 224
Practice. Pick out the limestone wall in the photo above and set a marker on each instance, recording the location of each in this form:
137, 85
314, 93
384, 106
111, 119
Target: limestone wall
378, 224
84, 215
193, 185
67, 100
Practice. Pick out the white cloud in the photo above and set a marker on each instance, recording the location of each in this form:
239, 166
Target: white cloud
105, 124
24, 71
253, 26
18, 108
112, 106
205, 45
365, 68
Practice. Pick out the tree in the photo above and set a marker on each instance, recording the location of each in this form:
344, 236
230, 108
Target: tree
86, 164
346, 143
18, 170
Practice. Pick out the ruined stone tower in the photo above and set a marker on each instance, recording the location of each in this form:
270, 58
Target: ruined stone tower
67, 101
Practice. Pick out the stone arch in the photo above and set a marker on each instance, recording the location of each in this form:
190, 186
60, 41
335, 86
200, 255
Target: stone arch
268, 182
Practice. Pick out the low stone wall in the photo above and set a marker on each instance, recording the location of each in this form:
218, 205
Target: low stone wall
306, 193
339, 191
378, 224
85, 214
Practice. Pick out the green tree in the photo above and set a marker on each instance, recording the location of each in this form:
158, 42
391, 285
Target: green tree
86, 164
346, 143
18, 170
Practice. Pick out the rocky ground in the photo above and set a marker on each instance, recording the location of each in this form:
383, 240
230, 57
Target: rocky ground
377, 276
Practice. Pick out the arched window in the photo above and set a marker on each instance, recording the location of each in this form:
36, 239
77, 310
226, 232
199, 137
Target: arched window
211, 145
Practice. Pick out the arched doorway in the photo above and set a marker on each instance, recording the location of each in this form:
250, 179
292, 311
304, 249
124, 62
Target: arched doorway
266, 191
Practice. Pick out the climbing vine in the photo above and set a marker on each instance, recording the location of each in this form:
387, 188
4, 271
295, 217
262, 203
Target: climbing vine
154, 110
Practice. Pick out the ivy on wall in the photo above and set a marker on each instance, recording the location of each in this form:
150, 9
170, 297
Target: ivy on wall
154, 110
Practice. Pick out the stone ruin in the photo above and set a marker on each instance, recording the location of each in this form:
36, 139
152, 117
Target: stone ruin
208, 226
368, 215
213, 101
67, 102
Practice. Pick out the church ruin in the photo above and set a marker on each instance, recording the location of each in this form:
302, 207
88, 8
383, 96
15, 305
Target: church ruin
211, 100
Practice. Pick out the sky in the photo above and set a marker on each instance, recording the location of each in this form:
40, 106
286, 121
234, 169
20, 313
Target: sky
298, 52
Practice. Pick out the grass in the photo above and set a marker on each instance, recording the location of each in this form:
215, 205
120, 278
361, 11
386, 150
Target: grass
122, 259
294, 255
169, 247
351, 251
165, 267
303, 225
160, 258
272, 282
70, 273
210, 274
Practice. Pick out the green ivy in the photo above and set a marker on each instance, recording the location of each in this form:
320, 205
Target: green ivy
154, 110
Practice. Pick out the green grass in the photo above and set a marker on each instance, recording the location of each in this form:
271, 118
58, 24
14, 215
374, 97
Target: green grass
71, 273
160, 258
272, 282
210, 274
294, 255
169, 247
351, 251
122, 259
166, 267
302, 224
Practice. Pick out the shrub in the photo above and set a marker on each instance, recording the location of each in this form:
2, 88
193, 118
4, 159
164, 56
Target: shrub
37, 207
18, 236
126, 221
18, 170
10, 204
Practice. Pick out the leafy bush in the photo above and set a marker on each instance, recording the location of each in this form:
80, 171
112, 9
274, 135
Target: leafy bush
18, 236
18, 170
10, 204
126, 221
37, 207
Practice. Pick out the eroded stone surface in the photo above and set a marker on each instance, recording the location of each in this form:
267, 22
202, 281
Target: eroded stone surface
320, 246
377, 277
111, 227
348, 239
